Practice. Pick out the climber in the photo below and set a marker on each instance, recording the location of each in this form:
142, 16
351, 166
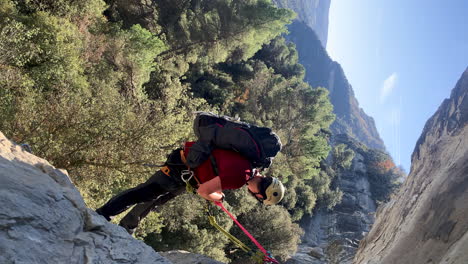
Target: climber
225, 169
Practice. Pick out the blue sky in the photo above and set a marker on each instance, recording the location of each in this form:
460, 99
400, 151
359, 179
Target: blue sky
402, 58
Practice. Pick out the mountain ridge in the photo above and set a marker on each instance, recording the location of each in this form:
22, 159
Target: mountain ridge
314, 13
322, 71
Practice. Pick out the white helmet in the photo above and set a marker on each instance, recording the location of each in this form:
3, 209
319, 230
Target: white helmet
272, 190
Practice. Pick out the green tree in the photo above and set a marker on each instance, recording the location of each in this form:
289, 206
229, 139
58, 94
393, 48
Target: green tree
62, 92
342, 157
221, 30
384, 177
273, 228
186, 227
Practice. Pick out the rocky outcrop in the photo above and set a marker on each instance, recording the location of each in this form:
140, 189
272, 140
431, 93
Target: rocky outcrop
43, 218
427, 221
332, 236
314, 13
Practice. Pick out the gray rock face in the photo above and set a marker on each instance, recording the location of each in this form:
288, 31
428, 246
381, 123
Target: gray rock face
335, 234
314, 13
185, 257
428, 220
43, 218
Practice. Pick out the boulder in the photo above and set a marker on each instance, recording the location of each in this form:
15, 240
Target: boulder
43, 218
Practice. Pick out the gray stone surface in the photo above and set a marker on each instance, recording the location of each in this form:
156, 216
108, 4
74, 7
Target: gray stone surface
185, 257
332, 236
428, 220
43, 218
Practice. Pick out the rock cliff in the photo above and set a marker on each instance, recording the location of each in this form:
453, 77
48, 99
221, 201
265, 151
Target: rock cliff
185, 257
45, 220
427, 221
332, 236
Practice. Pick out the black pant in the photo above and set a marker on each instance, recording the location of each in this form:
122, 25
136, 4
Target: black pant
157, 190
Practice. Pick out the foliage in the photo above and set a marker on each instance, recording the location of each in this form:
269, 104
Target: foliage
384, 176
61, 8
271, 226
62, 85
186, 227
220, 30
282, 57
342, 157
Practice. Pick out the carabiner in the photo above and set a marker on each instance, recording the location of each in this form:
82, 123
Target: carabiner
185, 173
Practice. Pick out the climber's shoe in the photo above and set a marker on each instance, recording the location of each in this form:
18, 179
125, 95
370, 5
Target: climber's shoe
129, 229
99, 211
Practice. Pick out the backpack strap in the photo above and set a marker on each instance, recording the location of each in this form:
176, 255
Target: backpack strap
214, 165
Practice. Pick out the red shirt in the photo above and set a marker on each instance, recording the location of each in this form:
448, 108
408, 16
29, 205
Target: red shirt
234, 170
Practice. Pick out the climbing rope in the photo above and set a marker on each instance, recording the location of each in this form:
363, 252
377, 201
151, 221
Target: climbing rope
261, 257
267, 256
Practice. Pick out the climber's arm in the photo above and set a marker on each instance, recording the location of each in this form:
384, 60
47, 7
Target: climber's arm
211, 190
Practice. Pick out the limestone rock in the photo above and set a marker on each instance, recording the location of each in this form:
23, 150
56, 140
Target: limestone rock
427, 221
332, 236
185, 257
43, 218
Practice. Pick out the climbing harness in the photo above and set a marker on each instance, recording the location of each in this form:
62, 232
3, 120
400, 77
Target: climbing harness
187, 176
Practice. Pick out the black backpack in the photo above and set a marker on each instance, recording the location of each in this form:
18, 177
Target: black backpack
258, 144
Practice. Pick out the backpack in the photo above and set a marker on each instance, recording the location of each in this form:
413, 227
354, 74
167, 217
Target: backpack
258, 144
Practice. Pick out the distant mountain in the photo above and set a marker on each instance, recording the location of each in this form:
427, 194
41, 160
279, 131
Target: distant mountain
322, 71
314, 13
427, 221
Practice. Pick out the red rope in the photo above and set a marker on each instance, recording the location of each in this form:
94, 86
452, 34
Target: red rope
267, 257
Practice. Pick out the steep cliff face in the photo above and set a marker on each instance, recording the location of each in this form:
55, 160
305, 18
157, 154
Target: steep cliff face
314, 13
332, 236
427, 221
45, 220
322, 71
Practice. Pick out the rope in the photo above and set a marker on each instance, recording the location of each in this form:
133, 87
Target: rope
262, 256
267, 255
256, 256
